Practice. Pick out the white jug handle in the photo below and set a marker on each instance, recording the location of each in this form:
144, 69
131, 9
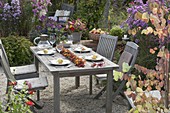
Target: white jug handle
35, 40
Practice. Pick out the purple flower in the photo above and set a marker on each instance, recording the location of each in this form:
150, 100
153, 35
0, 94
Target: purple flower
1, 4
136, 41
139, 1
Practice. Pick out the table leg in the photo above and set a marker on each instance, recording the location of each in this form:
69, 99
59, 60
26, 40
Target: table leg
36, 62
56, 94
77, 82
90, 85
109, 92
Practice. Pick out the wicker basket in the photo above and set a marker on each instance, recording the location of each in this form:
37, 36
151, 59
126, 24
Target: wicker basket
94, 37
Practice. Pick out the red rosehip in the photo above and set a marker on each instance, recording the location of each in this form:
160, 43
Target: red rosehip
30, 103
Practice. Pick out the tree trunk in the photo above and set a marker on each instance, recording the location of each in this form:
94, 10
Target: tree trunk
106, 13
75, 4
54, 2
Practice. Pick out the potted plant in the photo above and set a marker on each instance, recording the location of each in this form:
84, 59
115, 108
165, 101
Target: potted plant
75, 28
117, 31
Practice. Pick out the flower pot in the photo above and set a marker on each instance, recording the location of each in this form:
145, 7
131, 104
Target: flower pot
76, 37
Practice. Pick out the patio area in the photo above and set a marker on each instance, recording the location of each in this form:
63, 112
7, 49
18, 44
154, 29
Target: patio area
58, 47
72, 100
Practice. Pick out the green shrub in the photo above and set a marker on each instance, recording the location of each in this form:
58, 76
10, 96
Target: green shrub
117, 31
18, 50
90, 12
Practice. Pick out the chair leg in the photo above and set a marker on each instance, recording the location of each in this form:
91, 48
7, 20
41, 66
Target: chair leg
118, 91
38, 95
100, 93
77, 82
90, 85
97, 82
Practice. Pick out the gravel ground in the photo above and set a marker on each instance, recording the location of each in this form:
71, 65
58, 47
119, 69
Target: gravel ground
72, 100
77, 100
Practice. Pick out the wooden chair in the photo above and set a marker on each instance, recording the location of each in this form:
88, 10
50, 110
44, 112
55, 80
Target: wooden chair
18, 71
129, 56
63, 14
22, 72
37, 83
106, 48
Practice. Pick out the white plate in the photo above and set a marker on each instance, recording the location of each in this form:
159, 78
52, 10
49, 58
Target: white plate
42, 46
66, 43
50, 52
90, 58
79, 49
55, 62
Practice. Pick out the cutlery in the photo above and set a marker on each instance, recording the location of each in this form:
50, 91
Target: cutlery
69, 66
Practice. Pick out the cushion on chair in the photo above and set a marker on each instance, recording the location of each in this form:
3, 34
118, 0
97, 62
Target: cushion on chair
36, 83
101, 76
61, 13
26, 76
66, 13
23, 69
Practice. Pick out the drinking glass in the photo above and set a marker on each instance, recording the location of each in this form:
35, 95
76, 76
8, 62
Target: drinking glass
70, 39
52, 39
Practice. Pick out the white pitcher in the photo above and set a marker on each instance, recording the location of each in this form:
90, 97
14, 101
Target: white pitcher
43, 41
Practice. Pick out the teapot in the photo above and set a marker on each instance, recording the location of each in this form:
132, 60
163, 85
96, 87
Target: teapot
43, 41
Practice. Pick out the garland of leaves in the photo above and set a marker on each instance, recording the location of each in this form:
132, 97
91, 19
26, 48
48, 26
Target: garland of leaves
75, 59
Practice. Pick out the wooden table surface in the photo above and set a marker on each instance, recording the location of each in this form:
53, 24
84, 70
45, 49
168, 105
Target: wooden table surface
64, 71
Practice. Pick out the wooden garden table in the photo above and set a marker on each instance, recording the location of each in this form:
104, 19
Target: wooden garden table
64, 71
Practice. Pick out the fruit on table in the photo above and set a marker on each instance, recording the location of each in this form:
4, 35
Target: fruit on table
45, 51
83, 49
60, 60
94, 56
97, 31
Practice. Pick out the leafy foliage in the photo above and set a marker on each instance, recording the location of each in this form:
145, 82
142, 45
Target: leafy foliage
17, 100
146, 81
117, 31
18, 50
16, 17
145, 58
91, 12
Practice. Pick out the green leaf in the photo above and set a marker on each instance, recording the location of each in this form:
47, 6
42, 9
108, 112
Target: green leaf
139, 107
117, 75
125, 67
139, 90
136, 111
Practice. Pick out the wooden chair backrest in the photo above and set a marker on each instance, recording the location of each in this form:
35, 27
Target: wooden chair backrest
107, 45
129, 55
68, 7
6, 67
4, 52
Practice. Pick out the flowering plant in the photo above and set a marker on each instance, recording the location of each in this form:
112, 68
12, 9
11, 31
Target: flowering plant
21, 17
75, 26
150, 19
148, 25
18, 101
